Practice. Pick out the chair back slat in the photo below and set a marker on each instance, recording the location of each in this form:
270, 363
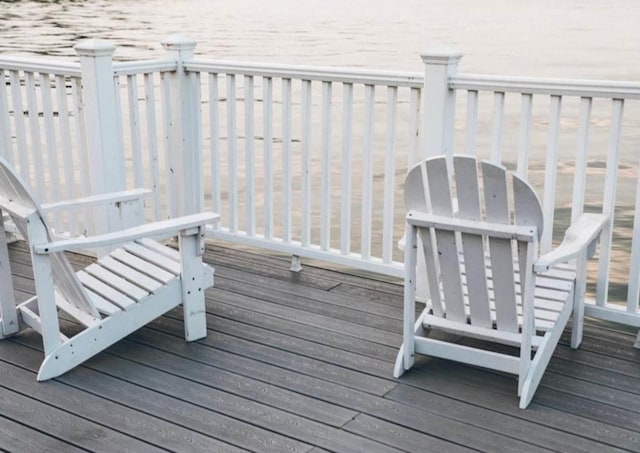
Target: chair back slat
13, 190
500, 250
438, 177
416, 197
468, 201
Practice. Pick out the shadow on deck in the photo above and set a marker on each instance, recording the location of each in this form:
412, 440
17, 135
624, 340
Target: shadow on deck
303, 362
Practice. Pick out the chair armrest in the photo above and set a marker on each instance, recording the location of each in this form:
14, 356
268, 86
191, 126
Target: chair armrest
583, 233
163, 228
96, 200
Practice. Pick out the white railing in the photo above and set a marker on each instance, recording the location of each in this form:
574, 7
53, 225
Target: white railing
309, 161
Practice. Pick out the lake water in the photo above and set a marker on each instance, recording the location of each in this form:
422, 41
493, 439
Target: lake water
594, 39
587, 39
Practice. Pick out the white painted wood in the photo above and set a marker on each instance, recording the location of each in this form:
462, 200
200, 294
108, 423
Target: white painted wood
367, 172
497, 127
346, 192
250, 160
580, 168
287, 171
215, 148
130, 273
152, 144
193, 286
325, 164
551, 164
134, 130
50, 142
524, 139
497, 210
305, 237
115, 286
106, 291
185, 120
467, 193
609, 200
8, 313
438, 101
106, 157
129, 289
232, 157
20, 129
36, 170
472, 122
517, 305
633, 292
414, 131
267, 105
389, 176
6, 147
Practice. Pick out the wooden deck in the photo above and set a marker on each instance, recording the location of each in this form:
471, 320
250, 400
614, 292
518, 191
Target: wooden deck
303, 362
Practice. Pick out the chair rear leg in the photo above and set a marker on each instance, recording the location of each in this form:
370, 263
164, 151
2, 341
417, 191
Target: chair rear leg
8, 312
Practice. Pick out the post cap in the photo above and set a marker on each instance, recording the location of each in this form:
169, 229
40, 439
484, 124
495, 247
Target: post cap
443, 55
178, 42
94, 48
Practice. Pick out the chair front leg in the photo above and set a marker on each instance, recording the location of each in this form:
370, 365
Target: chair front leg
578, 300
8, 313
193, 303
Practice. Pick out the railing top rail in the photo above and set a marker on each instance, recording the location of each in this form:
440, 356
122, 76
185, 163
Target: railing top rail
326, 74
143, 67
556, 87
40, 65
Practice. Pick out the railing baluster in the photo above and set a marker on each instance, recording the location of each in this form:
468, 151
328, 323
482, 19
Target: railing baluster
498, 127
65, 135
609, 201
6, 149
267, 105
250, 163
214, 133
286, 160
414, 112
389, 176
51, 145
49, 133
524, 143
472, 122
134, 125
548, 204
633, 294
367, 173
37, 177
580, 172
18, 117
325, 209
232, 153
82, 159
306, 163
152, 142
347, 140
168, 140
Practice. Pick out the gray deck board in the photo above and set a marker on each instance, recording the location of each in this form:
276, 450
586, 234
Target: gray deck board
302, 362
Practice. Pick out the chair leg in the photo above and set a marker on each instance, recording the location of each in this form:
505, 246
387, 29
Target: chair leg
193, 303
578, 302
8, 312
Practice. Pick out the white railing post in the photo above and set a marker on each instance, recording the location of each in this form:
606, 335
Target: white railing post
185, 150
105, 156
438, 101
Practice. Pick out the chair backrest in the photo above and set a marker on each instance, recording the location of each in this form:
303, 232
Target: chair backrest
13, 190
489, 266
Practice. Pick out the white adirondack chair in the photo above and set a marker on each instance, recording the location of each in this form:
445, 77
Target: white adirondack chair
137, 282
484, 275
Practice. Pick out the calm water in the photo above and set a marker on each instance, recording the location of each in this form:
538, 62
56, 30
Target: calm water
559, 38
589, 39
